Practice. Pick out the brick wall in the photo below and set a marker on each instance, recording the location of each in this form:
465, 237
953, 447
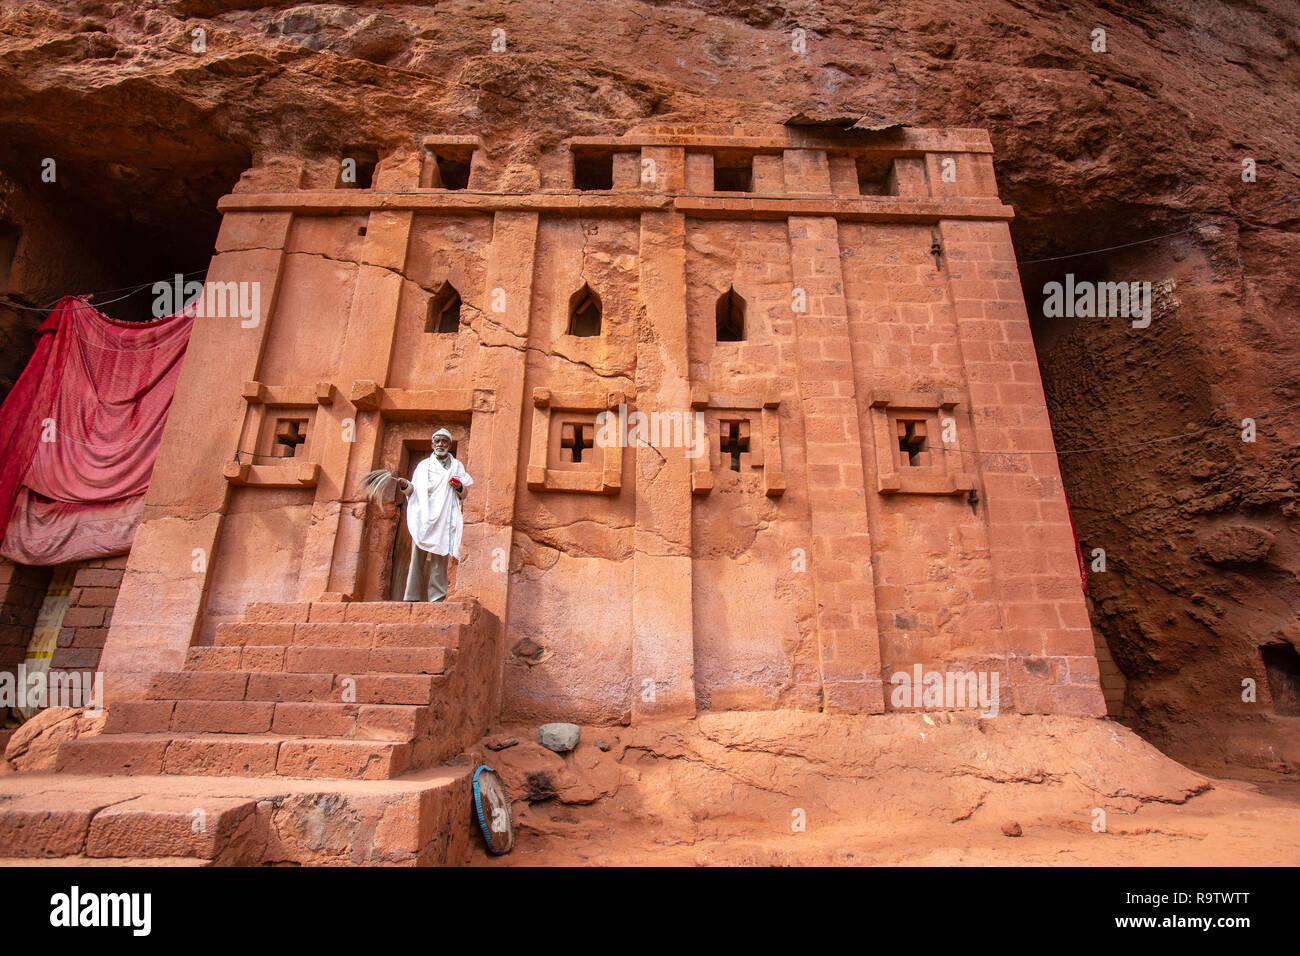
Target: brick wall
90, 611
22, 589
85, 626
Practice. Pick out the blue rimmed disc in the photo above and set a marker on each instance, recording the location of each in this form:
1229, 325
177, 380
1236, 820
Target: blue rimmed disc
492, 807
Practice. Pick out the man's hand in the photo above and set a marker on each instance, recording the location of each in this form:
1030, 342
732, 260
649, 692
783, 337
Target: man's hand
404, 486
457, 487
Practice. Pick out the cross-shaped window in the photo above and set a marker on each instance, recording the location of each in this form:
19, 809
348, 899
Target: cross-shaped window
734, 441
912, 443
290, 435
574, 438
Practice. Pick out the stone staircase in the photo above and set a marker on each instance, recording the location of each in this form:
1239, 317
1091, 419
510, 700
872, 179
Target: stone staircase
337, 690
290, 710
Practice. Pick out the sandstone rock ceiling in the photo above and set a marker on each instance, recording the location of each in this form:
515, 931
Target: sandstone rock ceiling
1093, 150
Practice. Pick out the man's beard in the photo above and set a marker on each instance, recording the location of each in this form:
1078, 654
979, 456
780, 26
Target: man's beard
441, 453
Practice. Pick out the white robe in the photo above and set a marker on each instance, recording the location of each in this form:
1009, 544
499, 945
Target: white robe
433, 515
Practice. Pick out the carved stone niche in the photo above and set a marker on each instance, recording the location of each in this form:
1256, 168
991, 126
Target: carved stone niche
912, 456
276, 446
564, 454
743, 433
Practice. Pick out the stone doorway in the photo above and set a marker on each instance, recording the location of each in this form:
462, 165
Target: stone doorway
413, 454
387, 542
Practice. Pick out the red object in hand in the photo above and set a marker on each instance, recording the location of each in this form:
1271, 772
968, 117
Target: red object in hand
454, 482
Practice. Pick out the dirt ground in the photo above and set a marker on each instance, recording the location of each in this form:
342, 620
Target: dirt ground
789, 788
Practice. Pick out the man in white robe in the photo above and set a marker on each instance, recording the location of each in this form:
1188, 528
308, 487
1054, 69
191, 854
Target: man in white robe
434, 518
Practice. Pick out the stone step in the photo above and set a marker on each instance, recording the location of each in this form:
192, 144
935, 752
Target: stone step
276, 686
57, 819
300, 719
356, 634
51, 825
78, 860
168, 826
376, 612
307, 659
239, 755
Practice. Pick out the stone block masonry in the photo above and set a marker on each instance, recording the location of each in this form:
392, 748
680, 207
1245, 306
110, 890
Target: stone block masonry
875, 487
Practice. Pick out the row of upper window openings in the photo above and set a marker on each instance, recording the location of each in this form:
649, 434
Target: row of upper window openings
449, 168
584, 313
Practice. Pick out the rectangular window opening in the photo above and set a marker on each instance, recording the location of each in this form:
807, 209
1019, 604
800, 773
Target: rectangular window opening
733, 172
357, 169
874, 173
593, 169
446, 167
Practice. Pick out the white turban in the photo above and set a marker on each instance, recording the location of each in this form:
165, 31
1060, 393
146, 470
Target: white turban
442, 431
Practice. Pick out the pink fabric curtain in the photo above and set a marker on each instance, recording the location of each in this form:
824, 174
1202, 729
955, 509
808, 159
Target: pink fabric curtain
80, 432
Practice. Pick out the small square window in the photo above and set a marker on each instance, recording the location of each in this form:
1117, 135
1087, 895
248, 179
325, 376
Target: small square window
446, 167
290, 437
357, 169
913, 443
873, 175
593, 170
733, 173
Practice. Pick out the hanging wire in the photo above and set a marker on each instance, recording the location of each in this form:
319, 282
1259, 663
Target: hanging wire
1168, 235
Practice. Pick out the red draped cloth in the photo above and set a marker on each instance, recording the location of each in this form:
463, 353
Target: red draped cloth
80, 431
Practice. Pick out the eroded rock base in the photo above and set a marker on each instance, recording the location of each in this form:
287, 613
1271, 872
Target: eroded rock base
796, 788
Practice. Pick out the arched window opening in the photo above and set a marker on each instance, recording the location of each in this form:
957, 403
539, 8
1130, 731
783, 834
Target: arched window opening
444, 311
731, 317
584, 312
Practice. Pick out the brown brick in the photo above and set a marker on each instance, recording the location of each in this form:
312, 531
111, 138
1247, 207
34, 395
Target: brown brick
334, 635
273, 613
378, 612
262, 658
409, 660
417, 635
257, 632
328, 660
197, 685
390, 688
292, 687
112, 754
213, 659
360, 759
138, 716
393, 722
327, 613
98, 578
73, 657
95, 597
91, 637
301, 719
230, 757
1083, 670
222, 716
